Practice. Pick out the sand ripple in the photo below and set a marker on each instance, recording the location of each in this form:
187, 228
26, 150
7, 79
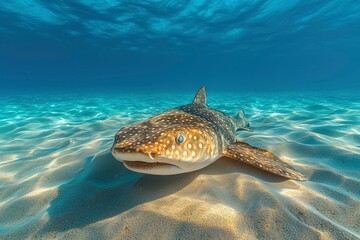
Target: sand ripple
58, 179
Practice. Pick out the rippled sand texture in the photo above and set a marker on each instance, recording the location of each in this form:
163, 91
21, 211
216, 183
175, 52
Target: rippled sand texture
57, 178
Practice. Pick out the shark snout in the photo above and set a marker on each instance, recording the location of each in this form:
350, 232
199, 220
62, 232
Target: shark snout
127, 149
120, 152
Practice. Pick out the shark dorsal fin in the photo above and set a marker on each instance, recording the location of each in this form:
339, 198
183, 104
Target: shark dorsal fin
200, 97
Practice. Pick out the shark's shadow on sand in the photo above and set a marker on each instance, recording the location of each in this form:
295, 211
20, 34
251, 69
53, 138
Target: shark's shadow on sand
105, 188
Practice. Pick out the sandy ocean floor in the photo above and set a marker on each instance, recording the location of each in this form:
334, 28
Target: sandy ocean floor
58, 179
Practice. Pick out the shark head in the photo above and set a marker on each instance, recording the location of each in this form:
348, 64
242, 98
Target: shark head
170, 143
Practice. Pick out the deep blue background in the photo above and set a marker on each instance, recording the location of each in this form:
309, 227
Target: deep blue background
163, 45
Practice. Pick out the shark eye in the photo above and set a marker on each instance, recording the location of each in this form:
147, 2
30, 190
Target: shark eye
179, 139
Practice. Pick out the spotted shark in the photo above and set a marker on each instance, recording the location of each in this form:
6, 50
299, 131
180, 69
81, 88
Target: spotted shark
190, 137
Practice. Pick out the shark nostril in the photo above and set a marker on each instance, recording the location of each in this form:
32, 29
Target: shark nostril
152, 155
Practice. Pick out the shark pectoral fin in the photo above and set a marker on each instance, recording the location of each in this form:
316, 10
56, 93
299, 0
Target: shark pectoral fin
262, 159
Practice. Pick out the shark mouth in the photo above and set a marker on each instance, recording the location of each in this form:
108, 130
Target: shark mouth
146, 165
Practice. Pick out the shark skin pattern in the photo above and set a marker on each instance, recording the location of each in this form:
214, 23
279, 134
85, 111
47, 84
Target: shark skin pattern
191, 137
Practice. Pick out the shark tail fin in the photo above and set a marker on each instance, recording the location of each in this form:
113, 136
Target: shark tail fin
242, 123
200, 97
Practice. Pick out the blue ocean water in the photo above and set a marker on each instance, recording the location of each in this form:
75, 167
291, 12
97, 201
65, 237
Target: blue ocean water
72, 73
166, 45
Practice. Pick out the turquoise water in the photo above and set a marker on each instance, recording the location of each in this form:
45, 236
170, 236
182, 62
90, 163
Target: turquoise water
50, 183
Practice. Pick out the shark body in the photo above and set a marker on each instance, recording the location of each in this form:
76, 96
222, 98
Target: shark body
191, 137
